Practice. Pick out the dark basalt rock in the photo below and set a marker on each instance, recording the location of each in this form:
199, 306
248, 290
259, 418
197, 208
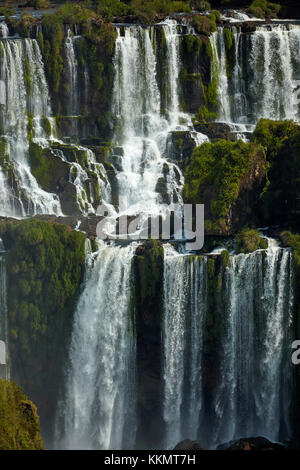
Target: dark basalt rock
252, 443
215, 130
187, 444
180, 147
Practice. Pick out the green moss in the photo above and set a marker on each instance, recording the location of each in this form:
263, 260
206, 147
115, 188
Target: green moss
46, 125
205, 24
230, 50
263, 8
25, 24
221, 166
43, 166
225, 258
27, 76
248, 241
45, 266
211, 268
7, 9
40, 4
19, 422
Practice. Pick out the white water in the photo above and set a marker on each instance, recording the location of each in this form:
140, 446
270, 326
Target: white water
185, 298
265, 78
72, 70
99, 410
4, 31
251, 392
25, 92
144, 129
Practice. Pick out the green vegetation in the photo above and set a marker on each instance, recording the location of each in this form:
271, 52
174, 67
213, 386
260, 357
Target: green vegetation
206, 24
263, 8
249, 240
45, 265
225, 258
40, 4
230, 51
216, 171
281, 141
19, 422
7, 9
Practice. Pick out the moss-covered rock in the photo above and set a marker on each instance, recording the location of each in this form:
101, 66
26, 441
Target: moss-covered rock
228, 177
147, 299
281, 198
19, 422
45, 266
249, 240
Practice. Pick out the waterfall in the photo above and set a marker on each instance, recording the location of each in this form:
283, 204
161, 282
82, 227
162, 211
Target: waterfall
25, 95
219, 71
136, 102
185, 297
173, 68
251, 394
264, 80
72, 70
4, 31
99, 408
143, 130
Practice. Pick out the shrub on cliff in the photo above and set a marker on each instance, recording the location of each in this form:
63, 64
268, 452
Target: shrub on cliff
40, 4
206, 24
249, 240
217, 174
19, 422
263, 8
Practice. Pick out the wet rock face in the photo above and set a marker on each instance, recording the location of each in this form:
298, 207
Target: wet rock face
252, 443
187, 444
180, 147
215, 130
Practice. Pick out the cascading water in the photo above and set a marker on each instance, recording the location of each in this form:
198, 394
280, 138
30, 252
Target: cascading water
24, 94
72, 69
184, 309
254, 398
264, 80
251, 395
144, 130
102, 352
4, 31
99, 410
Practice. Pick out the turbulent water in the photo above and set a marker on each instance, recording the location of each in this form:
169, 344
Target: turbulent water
265, 76
185, 297
23, 91
99, 410
250, 395
144, 127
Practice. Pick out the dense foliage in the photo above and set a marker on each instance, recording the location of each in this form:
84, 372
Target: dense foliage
45, 266
217, 170
249, 240
19, 422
